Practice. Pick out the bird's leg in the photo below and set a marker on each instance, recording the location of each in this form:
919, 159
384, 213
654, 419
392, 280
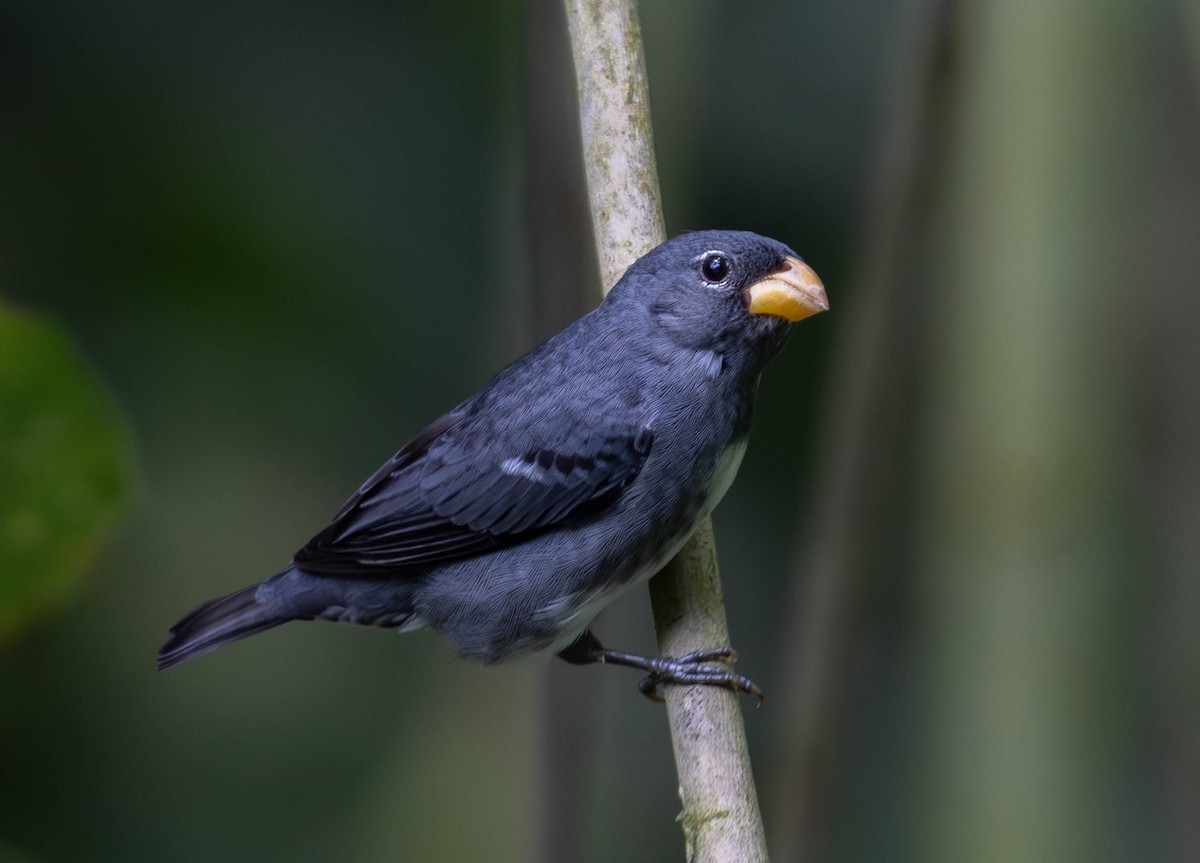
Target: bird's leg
689, 669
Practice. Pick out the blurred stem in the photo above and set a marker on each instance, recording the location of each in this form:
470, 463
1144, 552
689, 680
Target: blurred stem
1024, 512
1191, 14
720, 817
564, 286
859, 444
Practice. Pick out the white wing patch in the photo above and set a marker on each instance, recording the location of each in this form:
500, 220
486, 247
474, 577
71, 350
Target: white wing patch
520, 467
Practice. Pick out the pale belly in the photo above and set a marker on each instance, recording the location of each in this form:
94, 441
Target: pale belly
583, 609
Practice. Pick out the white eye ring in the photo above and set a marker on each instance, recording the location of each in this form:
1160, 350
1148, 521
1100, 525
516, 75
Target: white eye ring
715, 267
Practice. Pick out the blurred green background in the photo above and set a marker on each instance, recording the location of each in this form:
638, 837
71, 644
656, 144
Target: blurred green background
247, 250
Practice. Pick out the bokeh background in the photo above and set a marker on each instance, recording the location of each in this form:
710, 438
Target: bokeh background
247, 250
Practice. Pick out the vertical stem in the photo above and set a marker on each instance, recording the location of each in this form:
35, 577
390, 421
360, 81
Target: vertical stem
618, 146
721, 819
1025, 507
859, 445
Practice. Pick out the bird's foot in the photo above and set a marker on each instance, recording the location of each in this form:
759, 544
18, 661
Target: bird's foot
697, 668
691, 669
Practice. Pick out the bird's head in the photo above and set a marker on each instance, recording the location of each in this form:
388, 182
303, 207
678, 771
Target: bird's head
723, 290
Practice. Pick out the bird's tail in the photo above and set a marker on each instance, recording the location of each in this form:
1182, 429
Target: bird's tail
217, 623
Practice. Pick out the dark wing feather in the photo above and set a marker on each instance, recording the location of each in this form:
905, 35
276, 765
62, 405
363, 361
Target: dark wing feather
448, 495
408, 455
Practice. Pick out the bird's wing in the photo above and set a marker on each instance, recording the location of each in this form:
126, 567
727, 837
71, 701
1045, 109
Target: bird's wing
459, 488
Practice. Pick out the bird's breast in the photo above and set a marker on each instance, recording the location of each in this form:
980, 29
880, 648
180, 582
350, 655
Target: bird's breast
573, 612
726, 470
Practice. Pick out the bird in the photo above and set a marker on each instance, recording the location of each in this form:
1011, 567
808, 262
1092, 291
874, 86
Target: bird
573, 475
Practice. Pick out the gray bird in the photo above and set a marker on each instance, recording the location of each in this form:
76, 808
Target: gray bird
572, 476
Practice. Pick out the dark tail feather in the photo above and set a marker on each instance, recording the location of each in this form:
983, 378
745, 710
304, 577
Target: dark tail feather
217, 623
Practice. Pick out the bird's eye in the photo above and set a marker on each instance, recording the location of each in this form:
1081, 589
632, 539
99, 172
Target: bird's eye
715, 268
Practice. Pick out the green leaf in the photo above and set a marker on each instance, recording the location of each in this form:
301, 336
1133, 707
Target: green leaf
65, 463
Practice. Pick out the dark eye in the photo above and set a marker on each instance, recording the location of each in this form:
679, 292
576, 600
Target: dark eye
715, 268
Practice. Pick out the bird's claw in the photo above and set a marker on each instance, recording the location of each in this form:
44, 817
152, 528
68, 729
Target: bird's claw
694, 669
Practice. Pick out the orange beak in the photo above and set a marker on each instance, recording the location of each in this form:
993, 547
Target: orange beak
793, 293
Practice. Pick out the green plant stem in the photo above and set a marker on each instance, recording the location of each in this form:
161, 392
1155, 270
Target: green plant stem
721, 819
